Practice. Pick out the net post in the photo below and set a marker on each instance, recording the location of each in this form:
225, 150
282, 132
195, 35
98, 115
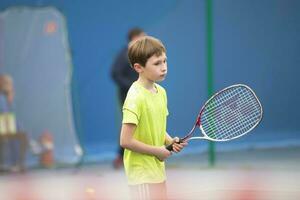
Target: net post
209, 54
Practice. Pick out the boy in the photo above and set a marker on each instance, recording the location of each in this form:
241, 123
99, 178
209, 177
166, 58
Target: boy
143, 133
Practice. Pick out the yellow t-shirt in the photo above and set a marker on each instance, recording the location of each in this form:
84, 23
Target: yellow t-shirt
149, 112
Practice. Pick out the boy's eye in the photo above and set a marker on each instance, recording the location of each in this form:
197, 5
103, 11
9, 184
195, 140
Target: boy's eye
160, 62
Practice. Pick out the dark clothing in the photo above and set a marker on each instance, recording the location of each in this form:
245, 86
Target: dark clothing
123, 74
4, 105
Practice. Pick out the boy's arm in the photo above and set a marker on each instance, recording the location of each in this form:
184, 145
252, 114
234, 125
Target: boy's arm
169, 139
127, 141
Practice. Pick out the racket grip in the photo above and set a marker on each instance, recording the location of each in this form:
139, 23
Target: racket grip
170, 146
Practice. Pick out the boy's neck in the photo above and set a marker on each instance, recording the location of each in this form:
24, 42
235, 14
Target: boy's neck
148, 85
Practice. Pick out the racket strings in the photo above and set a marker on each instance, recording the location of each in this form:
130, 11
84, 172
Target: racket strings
227, 134
246, 110
231, 113
221, 113
232, 120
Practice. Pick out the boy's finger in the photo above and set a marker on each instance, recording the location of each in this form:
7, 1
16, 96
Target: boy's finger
184, 143
176, 139
178, 148
178, 145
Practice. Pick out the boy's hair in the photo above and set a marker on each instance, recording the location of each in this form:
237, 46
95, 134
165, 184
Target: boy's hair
140, 50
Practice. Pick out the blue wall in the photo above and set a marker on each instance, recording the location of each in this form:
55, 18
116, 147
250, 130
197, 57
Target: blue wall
258, 42
255, 42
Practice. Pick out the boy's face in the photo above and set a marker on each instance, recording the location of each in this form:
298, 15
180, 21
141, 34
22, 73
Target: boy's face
155, 68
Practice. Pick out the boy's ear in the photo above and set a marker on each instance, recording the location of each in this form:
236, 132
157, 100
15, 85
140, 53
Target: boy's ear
138, 68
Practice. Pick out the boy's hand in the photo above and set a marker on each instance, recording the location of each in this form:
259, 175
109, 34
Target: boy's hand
177, 147
162, 153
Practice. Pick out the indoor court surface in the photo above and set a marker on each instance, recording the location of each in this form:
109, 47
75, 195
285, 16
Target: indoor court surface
271, 174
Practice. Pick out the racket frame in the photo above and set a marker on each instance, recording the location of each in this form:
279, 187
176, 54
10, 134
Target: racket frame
198, 121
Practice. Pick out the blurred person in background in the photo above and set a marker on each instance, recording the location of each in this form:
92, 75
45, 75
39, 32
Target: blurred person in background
124, 75
7, 124
6, 92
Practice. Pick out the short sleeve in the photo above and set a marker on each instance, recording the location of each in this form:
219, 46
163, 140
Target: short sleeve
129, 117
131, 109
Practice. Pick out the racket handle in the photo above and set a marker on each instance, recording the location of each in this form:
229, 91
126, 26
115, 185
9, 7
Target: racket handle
170, 146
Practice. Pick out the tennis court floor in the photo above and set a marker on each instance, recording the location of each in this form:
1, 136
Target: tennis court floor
246, 175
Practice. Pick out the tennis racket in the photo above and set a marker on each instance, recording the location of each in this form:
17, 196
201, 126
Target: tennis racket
227, 115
